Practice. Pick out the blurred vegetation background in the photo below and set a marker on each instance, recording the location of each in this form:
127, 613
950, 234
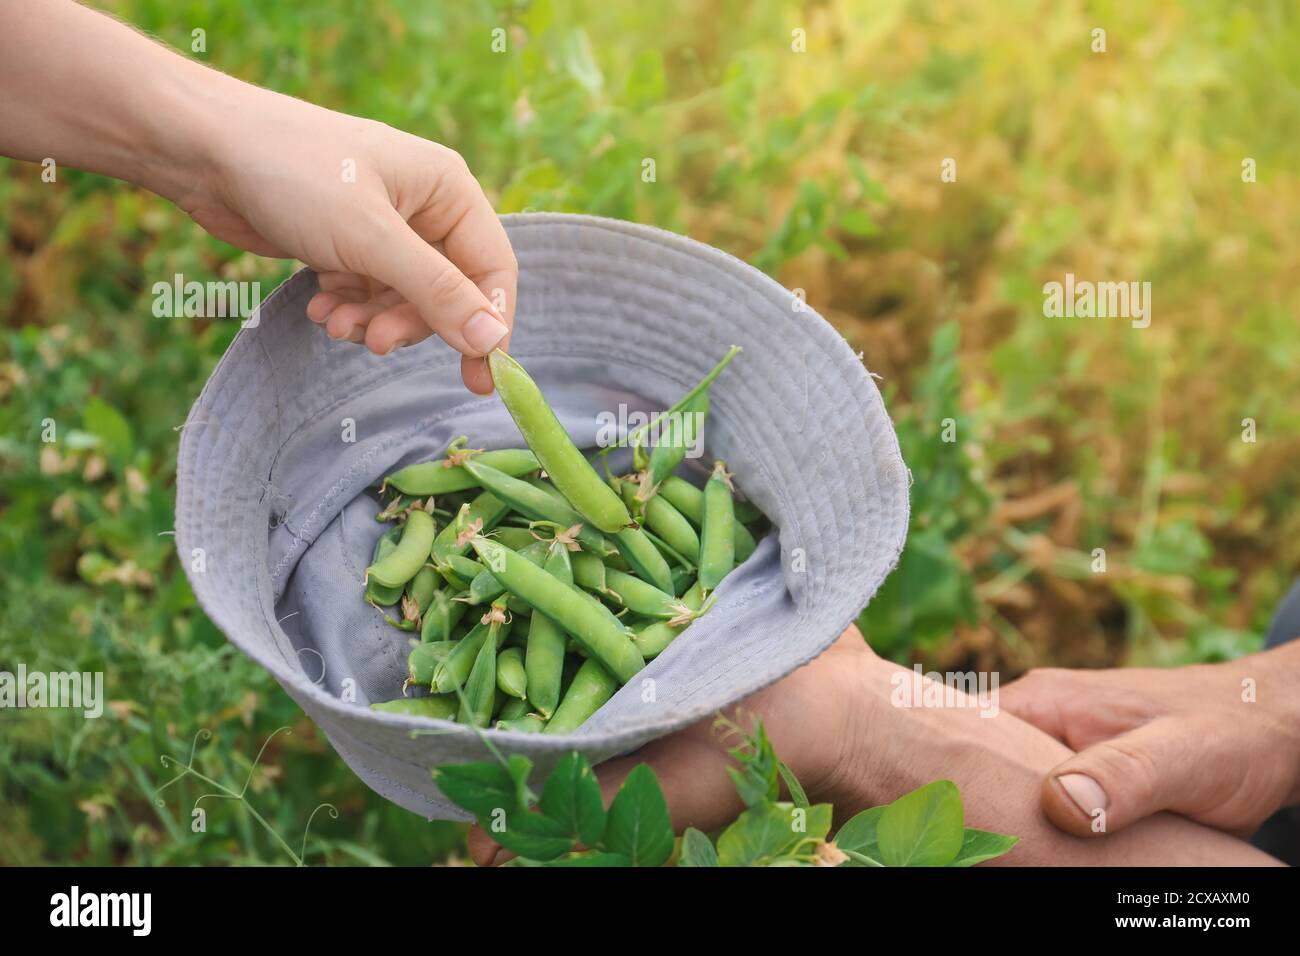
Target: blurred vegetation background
821, 167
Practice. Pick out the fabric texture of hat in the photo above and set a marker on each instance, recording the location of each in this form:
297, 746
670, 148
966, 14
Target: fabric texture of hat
292, 430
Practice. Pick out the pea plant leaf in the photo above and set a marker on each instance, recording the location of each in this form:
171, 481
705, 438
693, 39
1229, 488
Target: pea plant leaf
111, 428
922, 828
792, 784
480, 788
571, 798
697, 850
980, 845
529, 834
858, 838
638, 825
769, 831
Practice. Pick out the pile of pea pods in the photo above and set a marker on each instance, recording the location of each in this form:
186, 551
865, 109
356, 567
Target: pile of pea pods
536, 585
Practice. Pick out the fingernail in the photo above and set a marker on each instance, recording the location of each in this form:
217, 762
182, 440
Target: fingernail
483, 331
403, 343
1084, 791
357, 335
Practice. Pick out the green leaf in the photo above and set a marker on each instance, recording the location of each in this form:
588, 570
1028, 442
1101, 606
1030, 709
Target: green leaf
980, 845
519, 767
858, 222
529, 834
111, 428
697, 850
593, 859
771, 830
571, 797
638, 824
480, 788
859, 836
792, 784
922, 828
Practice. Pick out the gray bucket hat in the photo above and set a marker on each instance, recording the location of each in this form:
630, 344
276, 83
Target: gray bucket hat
275, 525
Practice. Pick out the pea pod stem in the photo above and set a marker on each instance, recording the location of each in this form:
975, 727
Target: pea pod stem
685, 400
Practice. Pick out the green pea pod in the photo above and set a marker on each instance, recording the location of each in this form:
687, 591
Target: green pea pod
511, 678
441, 617
667, 522
654, 637
455, 668
544, 653
487, 508
527, 724
606, 639
376, 593
566, 466
422, 588
458, 571
438, 706
588, 571
516, 539
424, 659
683, 431
747, 512
689, 500
485, 587
640, 552
442, 478
409, 556
717, 536
513, 708
534, 502
683, 578
592, 686
480, 690
641, 598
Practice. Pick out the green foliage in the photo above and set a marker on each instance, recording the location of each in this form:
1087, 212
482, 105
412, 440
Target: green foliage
921, 828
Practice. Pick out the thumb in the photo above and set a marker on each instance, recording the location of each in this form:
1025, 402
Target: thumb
1120, 781
448, 301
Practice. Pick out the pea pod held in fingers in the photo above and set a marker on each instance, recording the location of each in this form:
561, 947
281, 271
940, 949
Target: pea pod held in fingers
404, 561
592, 686
446, 475
717, 536
544, 653
606, 640
566, 466
440, 707
689, 500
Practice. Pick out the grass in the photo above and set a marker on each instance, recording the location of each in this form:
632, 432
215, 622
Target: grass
822, 167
